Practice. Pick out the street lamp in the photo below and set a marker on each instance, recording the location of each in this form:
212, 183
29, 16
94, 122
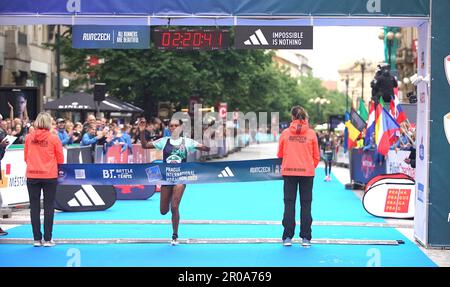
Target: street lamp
390, 35
347, 80
319, 102
363, 63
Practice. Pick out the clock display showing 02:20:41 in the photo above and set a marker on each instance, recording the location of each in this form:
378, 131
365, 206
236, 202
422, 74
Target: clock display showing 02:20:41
183, 39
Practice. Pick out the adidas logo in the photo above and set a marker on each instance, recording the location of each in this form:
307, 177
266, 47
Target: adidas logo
226, 173
257, 39
86, 196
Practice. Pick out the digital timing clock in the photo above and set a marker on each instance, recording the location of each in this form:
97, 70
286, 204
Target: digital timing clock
191, 39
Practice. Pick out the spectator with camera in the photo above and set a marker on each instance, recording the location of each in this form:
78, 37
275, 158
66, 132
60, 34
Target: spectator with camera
383, 85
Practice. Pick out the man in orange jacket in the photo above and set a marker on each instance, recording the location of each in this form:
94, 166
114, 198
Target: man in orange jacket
299, 150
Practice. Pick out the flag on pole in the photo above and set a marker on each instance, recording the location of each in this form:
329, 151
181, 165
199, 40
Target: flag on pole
362, 110
370, 123
396, 110
382, 103
347, 118
385, 128
355, 125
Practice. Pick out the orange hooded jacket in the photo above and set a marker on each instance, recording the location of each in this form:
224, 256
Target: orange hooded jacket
43, 152
299, 149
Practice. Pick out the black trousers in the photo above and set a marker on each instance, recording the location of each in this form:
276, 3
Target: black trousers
305, 184
34, 191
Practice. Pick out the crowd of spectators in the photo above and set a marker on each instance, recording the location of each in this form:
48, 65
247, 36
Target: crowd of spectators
92, 131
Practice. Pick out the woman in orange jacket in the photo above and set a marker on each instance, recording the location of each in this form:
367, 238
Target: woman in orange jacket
43, 152
299, 150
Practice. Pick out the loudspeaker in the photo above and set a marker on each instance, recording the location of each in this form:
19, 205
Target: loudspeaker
99, 92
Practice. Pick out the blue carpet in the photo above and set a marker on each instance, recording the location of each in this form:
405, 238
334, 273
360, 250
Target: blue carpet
214, 255
239, 201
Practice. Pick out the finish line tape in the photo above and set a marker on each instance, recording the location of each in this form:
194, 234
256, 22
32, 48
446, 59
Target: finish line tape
169, 174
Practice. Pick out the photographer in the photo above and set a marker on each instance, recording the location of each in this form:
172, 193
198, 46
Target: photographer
383, 85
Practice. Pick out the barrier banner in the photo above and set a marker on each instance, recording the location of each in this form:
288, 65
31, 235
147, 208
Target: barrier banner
380, 178
395, 163
79, 154
76, 198
168, 174
366, 165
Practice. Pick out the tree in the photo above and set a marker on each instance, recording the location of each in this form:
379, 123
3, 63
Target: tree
245, 79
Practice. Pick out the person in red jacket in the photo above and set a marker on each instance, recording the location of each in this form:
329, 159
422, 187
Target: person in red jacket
43, 152
299, 150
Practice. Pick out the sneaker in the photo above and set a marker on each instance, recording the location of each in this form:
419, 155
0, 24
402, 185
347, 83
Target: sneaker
329, 178
287, 242
174, 240
306, 243
326, 178
3, 233
50, 243
37, 243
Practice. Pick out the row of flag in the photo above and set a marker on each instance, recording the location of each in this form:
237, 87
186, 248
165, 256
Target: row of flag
381, 122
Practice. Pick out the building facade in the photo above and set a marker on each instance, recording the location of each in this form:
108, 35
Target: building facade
296, 63
355, 81
26, 61
406, 61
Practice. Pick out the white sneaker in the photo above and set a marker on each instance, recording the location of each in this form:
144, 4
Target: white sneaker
50, 243
174, 240
37, 243
306, 243
287, 242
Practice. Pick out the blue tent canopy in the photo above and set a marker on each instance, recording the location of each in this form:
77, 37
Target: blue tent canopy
202, 12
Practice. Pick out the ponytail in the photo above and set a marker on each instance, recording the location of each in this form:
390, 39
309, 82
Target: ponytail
299, 113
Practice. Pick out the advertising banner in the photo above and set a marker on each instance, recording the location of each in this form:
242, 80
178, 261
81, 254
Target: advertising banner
167, 174
76, 198
23, 100
110, 37
277, 37
220, 7
391, 198
365, 165
439, 147
13, 185
422, 141
395, 163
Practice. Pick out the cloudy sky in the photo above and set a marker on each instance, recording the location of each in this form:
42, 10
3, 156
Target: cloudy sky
335, 46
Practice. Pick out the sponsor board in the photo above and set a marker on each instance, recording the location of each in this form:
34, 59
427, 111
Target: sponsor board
110, 37
393, 198
274, 37
76, 198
